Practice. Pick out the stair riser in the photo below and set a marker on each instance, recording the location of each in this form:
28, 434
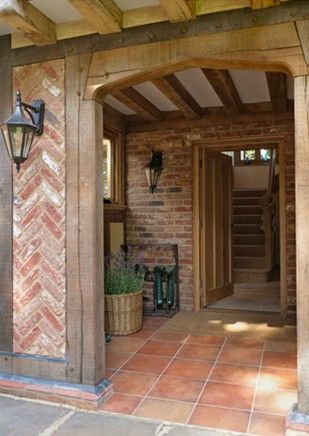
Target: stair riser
255, 193
249, 262
247, 219
247, 210
250, 276
253, 229
254, 251
249, 239
254, 201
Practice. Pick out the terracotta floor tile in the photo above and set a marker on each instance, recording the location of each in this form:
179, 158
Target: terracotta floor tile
154, 322
164, 410
278, 378
147, 363
206, 340
174, 388
274, 400
189, 369
120, 403
116, 360
160, 348
125, 344
281, 346
228, 395
239, 355
280, 359
245, 343
243, 375
216, 417
133, 383
144, 333
162, 335
263, 424
201, 352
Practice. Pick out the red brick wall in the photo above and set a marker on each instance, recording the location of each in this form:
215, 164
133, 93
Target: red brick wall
166, 216
39, 221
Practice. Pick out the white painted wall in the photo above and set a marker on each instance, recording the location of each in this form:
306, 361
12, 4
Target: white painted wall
248, 177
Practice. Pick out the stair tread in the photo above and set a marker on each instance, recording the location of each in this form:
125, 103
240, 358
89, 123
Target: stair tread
262, 269
251, 257
247, 245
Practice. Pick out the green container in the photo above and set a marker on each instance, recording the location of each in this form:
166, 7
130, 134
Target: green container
158, 286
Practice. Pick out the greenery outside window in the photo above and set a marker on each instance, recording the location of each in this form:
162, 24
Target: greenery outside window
113, 167
252, 157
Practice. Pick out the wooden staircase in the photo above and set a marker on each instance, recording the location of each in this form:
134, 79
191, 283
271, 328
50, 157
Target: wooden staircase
250, 261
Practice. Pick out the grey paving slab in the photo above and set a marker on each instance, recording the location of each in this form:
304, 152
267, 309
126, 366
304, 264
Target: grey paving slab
26, 418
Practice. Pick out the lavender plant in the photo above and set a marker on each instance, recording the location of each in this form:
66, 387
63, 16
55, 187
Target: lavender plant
123, 276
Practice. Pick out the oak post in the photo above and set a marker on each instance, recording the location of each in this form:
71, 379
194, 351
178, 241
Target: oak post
302, 236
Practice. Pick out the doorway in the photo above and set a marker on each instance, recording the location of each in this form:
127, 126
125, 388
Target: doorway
239, 225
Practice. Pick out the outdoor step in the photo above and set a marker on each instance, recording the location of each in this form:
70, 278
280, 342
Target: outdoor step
246, 210
251, 275
249, 193
249, 262
249, 250
247, 219
249, 239
246, 201
241, 229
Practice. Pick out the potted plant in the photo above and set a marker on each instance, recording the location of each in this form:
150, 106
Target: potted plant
124, 283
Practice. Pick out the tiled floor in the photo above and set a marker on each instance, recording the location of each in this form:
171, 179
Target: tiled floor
229, 382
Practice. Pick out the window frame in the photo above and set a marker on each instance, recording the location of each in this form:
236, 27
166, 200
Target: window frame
256, 161
117, 190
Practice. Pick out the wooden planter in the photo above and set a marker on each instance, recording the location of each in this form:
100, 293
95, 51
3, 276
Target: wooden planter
123, 313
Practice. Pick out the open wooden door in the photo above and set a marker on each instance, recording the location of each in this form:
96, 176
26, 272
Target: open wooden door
215, 178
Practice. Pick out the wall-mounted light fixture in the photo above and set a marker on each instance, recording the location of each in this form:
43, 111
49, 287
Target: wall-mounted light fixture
19, 130
154, 170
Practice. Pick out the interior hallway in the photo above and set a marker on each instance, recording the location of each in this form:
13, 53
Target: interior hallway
207, 369
260, 297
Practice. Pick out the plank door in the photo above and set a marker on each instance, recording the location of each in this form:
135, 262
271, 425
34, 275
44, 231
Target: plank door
216, 178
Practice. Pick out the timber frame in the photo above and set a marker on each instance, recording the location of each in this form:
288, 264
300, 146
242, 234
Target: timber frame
96, 65
238, 144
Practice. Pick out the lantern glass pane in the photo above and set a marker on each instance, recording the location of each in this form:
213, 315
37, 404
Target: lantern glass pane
16, 134
5, 134
28, 139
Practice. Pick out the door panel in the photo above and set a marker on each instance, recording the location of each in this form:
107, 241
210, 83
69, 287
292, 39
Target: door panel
216, 174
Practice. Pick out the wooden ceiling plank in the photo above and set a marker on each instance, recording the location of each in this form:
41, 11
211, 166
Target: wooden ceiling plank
224, 87
28, 20
278, 91
178, 10
138, 103
174, 90
104, 15
263, 4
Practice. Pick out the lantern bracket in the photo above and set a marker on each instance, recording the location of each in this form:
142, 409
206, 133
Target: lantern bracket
36, 111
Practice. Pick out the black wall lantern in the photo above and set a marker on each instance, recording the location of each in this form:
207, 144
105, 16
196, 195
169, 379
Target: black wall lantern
153, 170
19, 130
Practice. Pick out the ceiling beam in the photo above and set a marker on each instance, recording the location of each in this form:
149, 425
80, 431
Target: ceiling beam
174, 90
29, 21
277, 91
138, 103
104, 15
178, 10
263, 4
224, 87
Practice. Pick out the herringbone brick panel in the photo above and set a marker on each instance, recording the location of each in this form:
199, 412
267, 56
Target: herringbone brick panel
39, 221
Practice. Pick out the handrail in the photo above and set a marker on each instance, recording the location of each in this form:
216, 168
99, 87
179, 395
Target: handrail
271, 174
268, 213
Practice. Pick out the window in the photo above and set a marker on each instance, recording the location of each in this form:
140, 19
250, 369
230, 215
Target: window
253, 157
107, 169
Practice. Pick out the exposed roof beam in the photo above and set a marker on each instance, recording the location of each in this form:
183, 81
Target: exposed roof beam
277, 91
224, 87
178, 10
138, 103
104, 15
29, 21
262, 4
174, 90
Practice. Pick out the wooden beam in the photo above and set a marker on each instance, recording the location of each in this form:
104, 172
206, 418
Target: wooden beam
262, 4
104, 15
174, 90
277, 91
178, 10
224, 86
138, 103
29, 21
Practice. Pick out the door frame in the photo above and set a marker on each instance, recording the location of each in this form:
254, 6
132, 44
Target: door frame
238, 144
